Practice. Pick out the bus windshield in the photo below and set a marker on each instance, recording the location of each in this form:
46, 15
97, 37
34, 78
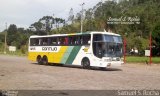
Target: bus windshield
107, 46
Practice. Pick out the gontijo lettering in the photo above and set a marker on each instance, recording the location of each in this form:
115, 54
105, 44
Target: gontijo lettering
49, 48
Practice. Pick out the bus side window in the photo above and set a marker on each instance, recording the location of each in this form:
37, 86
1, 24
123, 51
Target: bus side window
71, 40
33, 41
86, 39
80, 40
39, 41
60, 41
66, 40
44, 41
36, 42
49, 41
74, 40
53, 41
77, 40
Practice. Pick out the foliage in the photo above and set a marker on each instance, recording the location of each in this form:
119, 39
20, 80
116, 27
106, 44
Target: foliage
17, 36
46, 23
156, 40
24, 49
1, 46
156, 34
38, 26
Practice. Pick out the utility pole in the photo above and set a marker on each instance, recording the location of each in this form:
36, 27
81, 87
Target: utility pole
150, 47
82, 17
124, 49
5, 43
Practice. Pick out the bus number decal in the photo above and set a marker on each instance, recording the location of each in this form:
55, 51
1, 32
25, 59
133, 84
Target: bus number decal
32, 48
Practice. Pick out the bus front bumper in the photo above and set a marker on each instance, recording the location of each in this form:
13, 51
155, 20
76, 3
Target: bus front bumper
110, 64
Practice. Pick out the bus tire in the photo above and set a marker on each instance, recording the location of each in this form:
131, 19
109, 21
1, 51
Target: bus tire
45, 60
85, 63
102, 68
39, 59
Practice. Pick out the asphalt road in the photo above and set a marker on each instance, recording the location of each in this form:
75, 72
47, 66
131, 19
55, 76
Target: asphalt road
18, 73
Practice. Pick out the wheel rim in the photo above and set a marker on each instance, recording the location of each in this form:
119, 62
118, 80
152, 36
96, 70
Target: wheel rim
86, 64
45, 61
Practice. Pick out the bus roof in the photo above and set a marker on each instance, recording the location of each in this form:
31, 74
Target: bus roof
83, 33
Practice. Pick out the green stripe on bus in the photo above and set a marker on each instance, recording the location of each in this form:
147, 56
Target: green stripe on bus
73, 54
66, 54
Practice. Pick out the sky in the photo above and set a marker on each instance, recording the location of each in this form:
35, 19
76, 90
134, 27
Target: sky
25, 12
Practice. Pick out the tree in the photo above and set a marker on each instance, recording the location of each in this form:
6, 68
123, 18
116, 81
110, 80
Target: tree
156, 38
71, 16
1, 37
1, 41
156, 35
11, 34
47, 22
38, 26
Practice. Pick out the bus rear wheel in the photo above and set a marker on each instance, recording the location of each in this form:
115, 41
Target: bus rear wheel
86, 63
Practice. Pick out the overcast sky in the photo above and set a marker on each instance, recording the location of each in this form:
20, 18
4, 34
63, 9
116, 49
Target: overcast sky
25, 12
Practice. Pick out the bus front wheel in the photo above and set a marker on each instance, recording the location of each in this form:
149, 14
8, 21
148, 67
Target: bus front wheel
86, 63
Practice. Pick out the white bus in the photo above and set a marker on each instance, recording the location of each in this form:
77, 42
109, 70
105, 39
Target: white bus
99, 49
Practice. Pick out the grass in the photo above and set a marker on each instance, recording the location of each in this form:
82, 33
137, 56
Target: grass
138, 59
